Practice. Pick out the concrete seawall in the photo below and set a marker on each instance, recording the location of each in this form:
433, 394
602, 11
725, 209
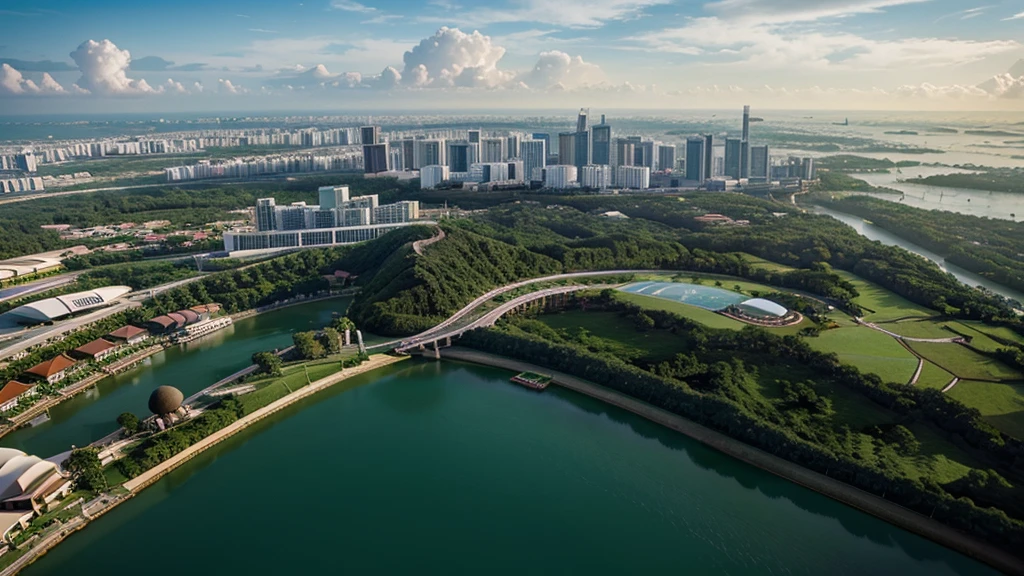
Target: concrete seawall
835, 489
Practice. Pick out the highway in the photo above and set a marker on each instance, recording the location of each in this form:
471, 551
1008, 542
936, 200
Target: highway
41, 285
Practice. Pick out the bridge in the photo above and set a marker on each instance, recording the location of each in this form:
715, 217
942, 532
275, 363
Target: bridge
438, 338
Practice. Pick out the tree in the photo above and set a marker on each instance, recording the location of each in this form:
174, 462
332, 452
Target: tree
130, 423
331, 340
86, 470
268, 362
307, 346
343, 323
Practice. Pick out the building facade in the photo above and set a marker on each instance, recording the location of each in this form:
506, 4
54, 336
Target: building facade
596, 177
633, 177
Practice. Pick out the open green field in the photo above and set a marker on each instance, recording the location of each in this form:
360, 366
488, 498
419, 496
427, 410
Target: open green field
763, 264
1002, 405
869, 350
652, 344
705, 317
996, 333
884, 305
933, 377
964, 362
920, 328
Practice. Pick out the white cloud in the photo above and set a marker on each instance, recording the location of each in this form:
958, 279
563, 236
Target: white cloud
798, 10
172, 87
226, 87
453, 58
556, 68
351, 6
197, 88
1004, 86
1017, 16
12, 82
565, 13
104, 70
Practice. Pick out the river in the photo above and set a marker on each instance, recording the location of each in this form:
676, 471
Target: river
189, 367
873, 232
445, 467
1001, 205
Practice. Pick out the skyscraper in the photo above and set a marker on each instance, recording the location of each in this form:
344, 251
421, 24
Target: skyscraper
567, 148
582, 149
643, 154
26, 161
534, 154
430, 153
666, 157
601, 147
745, 145
266, 214
408, 148
625, 152
746, 123
759, 163
709, 163
581, 120
733, 147
369, 134
695, 158
375, 158
492, 149
474, 146
512, 147
458, 156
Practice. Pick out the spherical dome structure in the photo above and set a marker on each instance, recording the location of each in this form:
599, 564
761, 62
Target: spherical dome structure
165, 400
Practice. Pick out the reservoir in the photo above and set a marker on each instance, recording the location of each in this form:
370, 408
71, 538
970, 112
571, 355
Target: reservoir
445, 467
873, 232
189, 367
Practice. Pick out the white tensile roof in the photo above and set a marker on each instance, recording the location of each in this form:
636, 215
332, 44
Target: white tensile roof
19, 472
766, 306
53, 308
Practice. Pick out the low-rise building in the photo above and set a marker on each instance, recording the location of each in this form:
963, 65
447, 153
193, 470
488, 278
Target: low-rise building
13, 392
130, 335
96, 350
55, 369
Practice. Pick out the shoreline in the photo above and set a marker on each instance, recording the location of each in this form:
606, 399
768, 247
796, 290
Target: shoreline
149, 477
834, 489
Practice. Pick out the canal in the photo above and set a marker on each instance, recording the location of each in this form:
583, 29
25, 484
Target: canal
445, 467
189, 367
874, 232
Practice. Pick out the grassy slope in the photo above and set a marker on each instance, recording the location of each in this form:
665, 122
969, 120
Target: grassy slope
706, 317
611, 325
965, 363
869, 350
885, 305
1001, 404
934, 377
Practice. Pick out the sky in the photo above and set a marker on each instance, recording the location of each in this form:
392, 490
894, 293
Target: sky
69, 56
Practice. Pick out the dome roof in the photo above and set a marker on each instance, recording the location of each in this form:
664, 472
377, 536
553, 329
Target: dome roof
165, 399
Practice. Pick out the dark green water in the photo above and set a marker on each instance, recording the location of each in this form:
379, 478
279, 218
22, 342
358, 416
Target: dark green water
432, 468
189, 367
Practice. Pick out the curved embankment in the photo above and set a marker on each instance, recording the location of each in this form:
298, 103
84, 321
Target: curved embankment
869, 503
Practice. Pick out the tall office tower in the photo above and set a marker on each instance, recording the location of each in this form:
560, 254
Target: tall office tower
567, 148
709, 155
474, 146
601, 146
369, 134
512, 145
375, 158
695, 159
733, 148
759, 163
582, 149
408, 148
625, 152
458, 156
332, 196
666, 157
266, 214
26, 161
492, 150
546, 138
534, 154
807, 170
430, 153
746, 123
581, 120
644, 154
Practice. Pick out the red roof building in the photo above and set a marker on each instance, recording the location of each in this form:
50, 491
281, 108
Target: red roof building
54, 369
98, 349
130, 334
11, 392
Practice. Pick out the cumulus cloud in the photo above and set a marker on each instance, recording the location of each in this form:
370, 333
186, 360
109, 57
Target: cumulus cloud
12, 82
104, 69
557, 68
227, 87
452, 57
1003, 86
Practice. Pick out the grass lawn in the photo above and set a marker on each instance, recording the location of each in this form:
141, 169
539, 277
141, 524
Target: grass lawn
869, 350
886, 306
997, 332
988, 338
1002, 405
763, 264
933, 377
655, 344
964, 362
920, 328
705, 317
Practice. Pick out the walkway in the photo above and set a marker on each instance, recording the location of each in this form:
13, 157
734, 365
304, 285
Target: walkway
419, 245
950, 340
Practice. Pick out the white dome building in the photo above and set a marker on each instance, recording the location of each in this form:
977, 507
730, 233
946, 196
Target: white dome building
50, 309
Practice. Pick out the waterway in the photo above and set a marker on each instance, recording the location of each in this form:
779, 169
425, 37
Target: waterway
873, 232
1000, 205
189, 367
446, 467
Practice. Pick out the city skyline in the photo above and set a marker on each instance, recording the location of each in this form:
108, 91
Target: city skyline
854, 54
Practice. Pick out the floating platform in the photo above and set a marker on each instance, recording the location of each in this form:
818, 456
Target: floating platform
532, 380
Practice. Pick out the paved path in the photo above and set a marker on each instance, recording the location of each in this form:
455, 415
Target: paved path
952, 383
950, 340
419, 245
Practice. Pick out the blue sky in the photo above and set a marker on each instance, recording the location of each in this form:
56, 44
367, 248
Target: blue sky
190, 55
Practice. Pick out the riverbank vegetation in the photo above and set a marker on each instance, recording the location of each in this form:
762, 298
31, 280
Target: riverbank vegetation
911, 445
853, 163
992, 179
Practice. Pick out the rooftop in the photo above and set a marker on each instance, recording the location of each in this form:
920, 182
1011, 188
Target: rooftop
52, 366
12, 390
95, 347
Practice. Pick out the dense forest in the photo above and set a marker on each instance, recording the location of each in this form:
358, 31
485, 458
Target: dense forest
993, 179
991, 247
775, 392
21, 221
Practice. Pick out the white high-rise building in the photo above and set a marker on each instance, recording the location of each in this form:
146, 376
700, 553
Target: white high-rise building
534, 154
431, 176
492, 150
597, 177
635, 177
559, 177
